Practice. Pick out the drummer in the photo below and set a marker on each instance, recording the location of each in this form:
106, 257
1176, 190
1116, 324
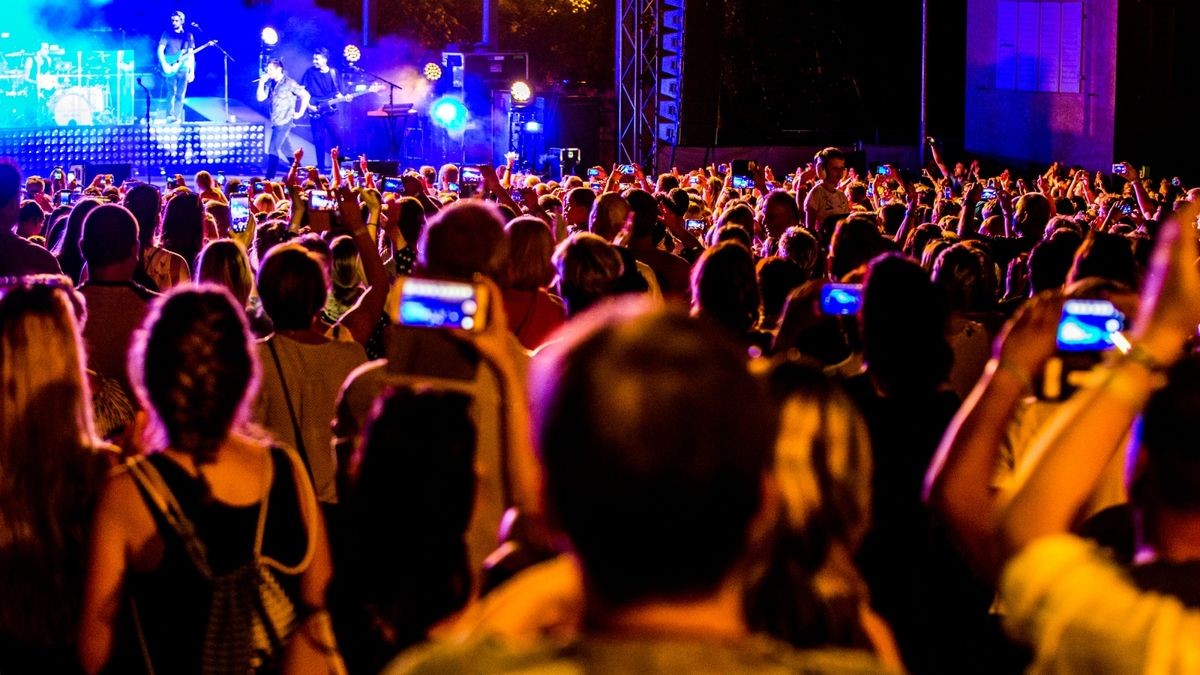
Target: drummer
38, 68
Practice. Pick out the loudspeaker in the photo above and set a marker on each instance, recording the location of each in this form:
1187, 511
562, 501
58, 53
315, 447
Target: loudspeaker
699, 70
383, 167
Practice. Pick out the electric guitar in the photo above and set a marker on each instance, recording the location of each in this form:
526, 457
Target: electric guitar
328, 106
185, 59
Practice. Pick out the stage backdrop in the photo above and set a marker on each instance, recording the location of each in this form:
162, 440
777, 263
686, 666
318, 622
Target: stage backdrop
1041, 81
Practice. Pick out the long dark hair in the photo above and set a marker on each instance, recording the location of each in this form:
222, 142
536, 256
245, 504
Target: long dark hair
183, 226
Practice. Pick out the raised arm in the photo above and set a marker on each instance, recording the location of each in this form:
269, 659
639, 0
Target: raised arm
364, 316
1145, 204
937, 159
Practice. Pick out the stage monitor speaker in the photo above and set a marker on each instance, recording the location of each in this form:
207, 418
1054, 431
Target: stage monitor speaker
487, 72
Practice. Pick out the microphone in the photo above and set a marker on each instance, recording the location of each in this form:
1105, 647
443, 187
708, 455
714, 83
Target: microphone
196, 26
139, 83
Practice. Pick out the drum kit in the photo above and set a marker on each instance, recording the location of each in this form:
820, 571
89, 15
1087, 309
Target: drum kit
51, 87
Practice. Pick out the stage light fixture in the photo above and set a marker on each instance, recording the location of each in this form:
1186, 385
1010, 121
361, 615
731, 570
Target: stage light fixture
449, 113
432, 72
533, 128
352, 54
270, 37
521, 93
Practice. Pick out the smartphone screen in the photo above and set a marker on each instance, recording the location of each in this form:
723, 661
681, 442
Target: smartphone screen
742, 182
1119, 169
430, 303
988, 193
471, 175
220, 179
393, 184
64, 198
593, 173
841, 299
694, 226
239, 213
1088, 325
321, 200
597, 186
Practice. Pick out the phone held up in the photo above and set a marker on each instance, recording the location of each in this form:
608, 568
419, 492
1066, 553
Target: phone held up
841, 299
436, 303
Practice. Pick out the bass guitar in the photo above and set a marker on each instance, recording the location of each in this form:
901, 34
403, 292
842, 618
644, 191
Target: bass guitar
324, 107
185, 59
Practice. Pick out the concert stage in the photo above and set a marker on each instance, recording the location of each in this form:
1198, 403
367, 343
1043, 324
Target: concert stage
184, 148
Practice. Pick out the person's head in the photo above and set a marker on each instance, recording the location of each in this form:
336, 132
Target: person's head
588, 269
177, 19
643, 215
110, 242
346, 275
224, 262
725, 289
30, 218
777, 277
416, 464
903, 327
831, 165
194, 367
145, 203
779, 213
275, 69
464, 239
1107, 256
608, 216
320, 58
738, 214
203, 181
34, 185
800, 246
578, 206
855, 241
666, 182
1032, 213
1050, 262
66, 249
651, 471
735, 233
446, 175
293, 286
967, 278
10, 193
183, 226
530, 248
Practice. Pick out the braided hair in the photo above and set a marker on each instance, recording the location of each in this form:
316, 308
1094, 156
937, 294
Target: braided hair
194, 368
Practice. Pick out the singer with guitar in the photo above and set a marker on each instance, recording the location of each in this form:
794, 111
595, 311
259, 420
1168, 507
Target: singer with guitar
176, 57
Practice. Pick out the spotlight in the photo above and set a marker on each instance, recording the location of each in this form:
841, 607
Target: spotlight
533, 128
449, 113
432, 72
352, 54
521, 93
270, 37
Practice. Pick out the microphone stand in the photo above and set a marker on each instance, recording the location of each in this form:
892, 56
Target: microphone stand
149, 141
391, 122
226, 60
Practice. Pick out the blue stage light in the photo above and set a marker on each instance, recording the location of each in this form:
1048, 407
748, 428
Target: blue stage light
449, 113
533, 128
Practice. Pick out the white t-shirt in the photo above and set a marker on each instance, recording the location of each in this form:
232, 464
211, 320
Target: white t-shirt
824, 202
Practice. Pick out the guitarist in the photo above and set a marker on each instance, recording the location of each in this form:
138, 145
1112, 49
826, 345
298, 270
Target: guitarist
322, 83
175, 55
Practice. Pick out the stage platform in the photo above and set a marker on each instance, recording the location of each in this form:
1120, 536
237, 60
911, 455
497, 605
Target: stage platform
171, 148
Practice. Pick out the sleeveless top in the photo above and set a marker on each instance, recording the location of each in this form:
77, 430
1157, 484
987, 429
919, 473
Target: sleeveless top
172, 602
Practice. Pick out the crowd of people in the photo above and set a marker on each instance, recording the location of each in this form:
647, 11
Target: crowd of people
225, 446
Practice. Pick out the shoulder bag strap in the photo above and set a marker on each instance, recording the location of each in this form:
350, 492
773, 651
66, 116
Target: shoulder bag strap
287, 397
155, 491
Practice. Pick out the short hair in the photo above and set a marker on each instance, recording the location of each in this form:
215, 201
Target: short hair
321, 51
110, 236
275, 61
644, 208
855, 241
800, 246
588, 270
179, 13
34, 185
608, 215
823, 157
777, 278
464, 239
653, 473
1050, 262
725, 288
292, 286
583, 197
30, 210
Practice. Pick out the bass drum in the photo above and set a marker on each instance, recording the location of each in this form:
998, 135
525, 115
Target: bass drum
77, 106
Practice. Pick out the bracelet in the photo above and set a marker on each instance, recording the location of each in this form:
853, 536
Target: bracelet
1136, 353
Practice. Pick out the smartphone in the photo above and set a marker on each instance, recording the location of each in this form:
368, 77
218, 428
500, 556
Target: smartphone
593, 173
742, 182
471, 175
988, 193
1176, 182
63, 198
597, 186
1119, 169
695, 226
452, 187
432, 303
57, 174
870, 189
1088, 325
626, 169
1126, 208
394, 185
694, 180
948, 193
239, 213
321, 200
841, 299
881, 170
257, 183
221, 178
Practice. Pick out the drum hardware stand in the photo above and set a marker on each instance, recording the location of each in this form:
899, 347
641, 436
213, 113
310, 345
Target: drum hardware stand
227, 60
149, 141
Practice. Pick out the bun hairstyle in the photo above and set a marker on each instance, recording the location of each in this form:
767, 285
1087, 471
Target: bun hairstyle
194, 368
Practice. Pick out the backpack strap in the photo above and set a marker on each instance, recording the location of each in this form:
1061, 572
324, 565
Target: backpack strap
287, 397
160, 498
